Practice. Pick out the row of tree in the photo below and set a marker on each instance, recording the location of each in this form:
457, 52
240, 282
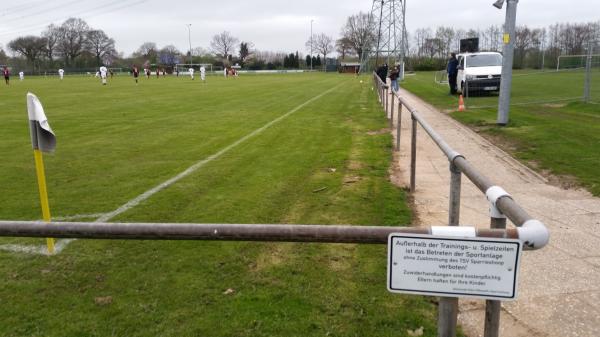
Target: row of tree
431, 47
532, 45
74, 44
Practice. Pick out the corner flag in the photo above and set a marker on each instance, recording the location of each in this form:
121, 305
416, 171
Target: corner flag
42, 140
42, 136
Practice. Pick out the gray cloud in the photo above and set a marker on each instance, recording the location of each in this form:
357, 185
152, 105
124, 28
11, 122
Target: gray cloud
270, 25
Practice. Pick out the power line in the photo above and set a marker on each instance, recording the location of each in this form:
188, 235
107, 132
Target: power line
22, 6
43, 11
30, 28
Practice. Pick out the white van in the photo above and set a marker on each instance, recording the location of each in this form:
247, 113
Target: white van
479, 72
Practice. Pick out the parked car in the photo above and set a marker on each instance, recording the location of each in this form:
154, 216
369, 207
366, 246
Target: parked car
479, 72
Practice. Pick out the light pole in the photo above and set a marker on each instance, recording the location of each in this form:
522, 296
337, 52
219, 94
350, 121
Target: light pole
311, 45
189, 25
507, 59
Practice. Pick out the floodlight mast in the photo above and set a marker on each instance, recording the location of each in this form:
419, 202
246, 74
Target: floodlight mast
507, 59
189, 25
311, 44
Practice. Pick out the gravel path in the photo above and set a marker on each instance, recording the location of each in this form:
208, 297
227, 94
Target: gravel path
559, 286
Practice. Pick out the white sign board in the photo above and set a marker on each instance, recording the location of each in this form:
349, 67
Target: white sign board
453, 267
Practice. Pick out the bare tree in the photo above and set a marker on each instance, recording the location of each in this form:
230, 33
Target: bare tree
148, 51
224, 44
444, 37
323, 44
343, 46
72, 38
523, 40
359, 31
52, 36
100, 45
200, 51
169, 55
31, 47
422, 35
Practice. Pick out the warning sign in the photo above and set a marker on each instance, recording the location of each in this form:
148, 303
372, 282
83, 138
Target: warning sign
453, 267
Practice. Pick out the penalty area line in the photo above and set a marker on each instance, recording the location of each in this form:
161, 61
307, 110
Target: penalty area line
105, 217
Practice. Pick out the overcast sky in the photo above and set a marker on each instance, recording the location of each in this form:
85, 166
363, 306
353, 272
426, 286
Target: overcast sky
270, 24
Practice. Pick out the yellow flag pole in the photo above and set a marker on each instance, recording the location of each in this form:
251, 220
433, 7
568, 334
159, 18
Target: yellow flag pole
41, 176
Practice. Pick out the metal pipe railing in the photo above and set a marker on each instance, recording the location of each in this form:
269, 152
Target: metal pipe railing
506, 205
220, 232
531, 232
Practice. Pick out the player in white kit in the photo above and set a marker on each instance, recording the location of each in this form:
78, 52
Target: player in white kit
21, 75
203, 74
103, 72
191, 70
61, 73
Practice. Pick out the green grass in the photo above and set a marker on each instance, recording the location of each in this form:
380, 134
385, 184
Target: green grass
118, 141
550, 135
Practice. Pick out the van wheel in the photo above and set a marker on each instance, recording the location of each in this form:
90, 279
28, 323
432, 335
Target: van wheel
462, 89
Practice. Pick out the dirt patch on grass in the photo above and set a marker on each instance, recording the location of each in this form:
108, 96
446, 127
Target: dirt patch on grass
340, 257
354, 165
350, 179
395, 173
271, 256
565, 182
379, 132
504, 143
554, 105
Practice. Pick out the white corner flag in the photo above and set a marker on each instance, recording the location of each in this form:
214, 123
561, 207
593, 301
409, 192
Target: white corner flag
42, 136
42, 140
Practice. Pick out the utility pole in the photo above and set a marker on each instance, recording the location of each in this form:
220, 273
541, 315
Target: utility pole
507, 60
543, 49
311, 45
189, 25
588, 72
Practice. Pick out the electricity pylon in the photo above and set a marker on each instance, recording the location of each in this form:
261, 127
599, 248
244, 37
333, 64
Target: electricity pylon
387, 18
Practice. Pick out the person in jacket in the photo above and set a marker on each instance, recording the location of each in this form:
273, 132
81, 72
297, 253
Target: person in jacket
394, 77
452, 70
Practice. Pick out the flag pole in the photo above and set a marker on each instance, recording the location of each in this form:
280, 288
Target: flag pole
41, 177
42, 139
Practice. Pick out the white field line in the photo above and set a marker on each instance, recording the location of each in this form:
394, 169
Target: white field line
105, 217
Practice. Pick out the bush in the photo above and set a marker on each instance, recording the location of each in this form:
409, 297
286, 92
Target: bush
425, 64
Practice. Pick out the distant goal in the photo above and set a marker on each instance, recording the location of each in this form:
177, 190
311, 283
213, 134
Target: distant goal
572, 62
184, 68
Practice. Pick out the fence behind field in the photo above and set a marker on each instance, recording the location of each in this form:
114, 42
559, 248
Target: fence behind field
501, 204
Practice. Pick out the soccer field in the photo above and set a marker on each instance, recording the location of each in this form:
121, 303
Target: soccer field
302, 148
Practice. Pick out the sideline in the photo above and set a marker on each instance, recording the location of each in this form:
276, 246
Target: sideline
105, 217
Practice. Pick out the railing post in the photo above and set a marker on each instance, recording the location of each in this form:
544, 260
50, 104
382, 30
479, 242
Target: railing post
413, 154
399, 126
493, 308
448, 306
392, 111
385, 99
455, 188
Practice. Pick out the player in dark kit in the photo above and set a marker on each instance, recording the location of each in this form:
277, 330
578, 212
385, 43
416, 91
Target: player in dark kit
6, 75
136, 73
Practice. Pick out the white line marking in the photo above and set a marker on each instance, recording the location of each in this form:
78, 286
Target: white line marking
105, 217
76, 217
